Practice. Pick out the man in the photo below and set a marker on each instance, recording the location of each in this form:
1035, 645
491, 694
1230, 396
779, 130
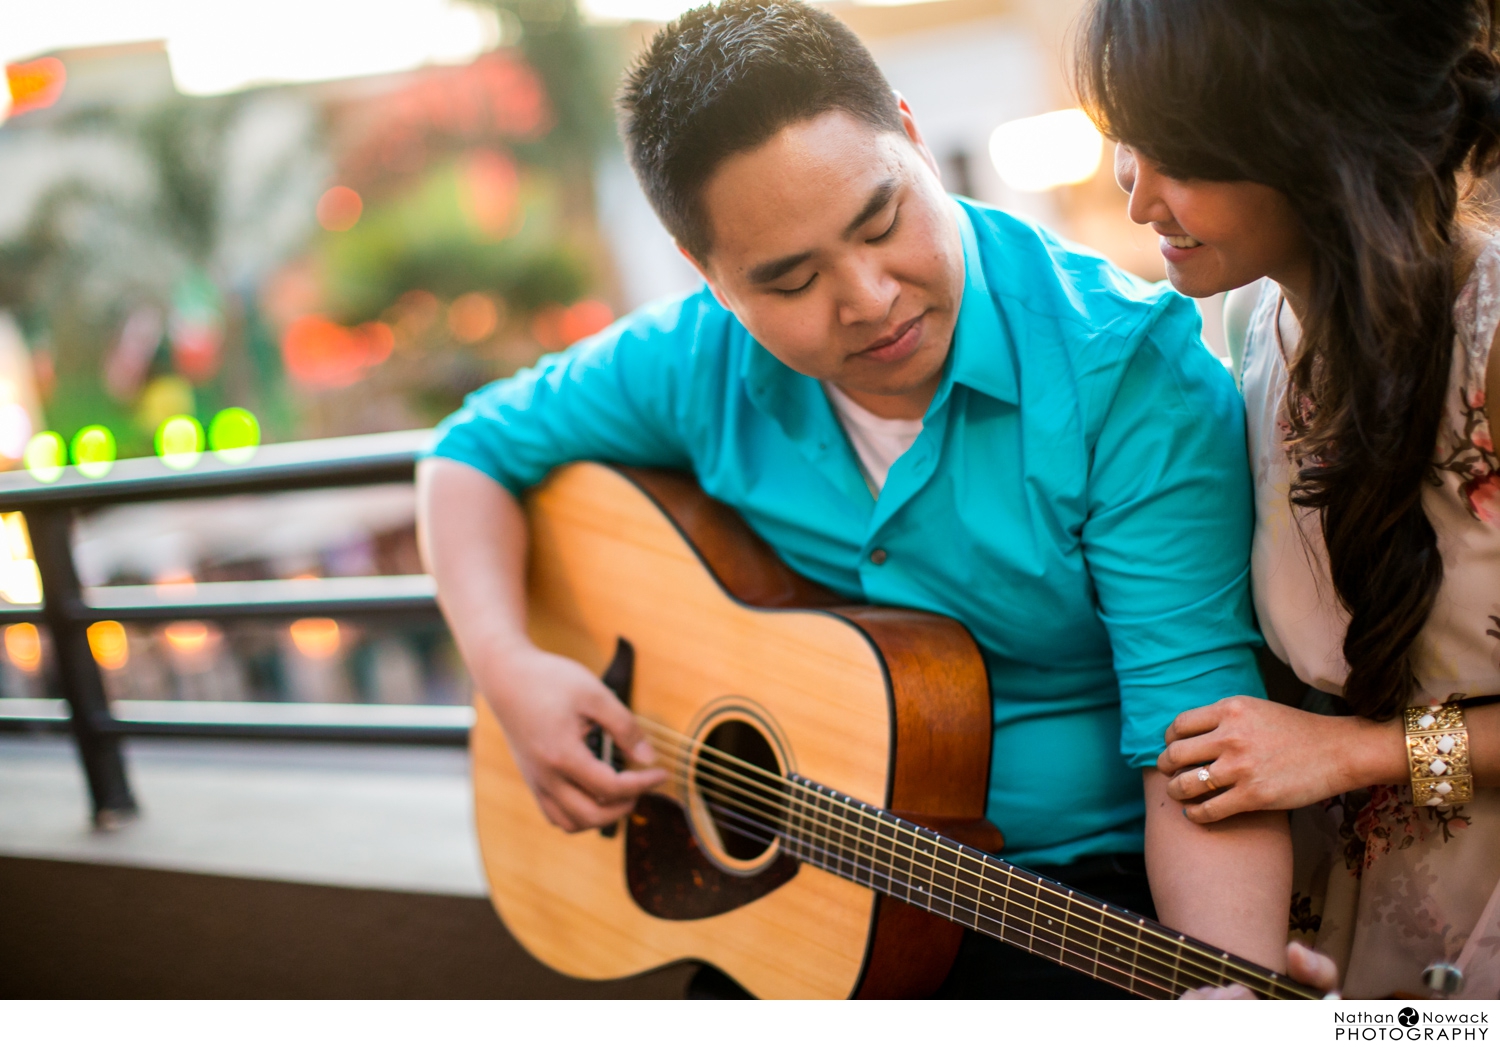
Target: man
920, 402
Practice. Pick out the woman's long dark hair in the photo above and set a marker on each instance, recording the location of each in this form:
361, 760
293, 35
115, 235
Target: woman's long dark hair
1372, 117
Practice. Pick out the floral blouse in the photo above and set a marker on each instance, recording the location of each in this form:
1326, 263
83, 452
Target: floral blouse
1384, 887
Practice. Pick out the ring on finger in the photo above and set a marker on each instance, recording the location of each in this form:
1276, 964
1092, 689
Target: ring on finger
1206, 779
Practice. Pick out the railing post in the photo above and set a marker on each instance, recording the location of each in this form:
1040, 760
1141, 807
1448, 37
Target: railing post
83, 685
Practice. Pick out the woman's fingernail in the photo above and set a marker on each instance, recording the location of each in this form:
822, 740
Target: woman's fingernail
1184, 811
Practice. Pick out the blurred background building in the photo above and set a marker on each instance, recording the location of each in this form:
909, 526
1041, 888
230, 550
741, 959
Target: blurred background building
344, 216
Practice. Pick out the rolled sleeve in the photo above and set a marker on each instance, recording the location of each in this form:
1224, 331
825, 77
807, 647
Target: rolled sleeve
1168, 534
617, 396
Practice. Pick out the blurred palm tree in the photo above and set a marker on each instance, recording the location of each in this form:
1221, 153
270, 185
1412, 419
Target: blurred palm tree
199, 197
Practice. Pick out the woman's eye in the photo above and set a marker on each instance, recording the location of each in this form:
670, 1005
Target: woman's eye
804, 286
895, 220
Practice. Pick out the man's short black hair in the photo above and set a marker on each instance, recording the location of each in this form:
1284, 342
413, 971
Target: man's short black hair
726, 77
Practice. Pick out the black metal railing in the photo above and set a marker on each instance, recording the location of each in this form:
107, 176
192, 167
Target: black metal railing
68, 609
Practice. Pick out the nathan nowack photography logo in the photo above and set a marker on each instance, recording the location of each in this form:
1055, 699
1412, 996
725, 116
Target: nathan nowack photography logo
1411, 1025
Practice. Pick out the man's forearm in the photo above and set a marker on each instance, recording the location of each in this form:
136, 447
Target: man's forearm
1227, 883
472, 535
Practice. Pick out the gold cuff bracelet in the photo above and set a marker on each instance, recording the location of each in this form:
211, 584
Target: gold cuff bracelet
1437, 749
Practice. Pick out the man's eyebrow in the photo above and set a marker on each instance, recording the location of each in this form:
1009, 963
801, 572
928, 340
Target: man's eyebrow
770, 271
874, 206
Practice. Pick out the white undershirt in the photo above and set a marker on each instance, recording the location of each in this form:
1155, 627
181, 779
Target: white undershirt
877, 441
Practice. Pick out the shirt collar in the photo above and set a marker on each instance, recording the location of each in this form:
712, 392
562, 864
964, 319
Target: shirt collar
980, 357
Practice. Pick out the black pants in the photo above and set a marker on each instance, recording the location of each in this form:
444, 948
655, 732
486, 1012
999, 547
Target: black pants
990, 969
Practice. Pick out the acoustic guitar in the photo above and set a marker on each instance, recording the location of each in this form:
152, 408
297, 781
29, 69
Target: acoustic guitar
822, 833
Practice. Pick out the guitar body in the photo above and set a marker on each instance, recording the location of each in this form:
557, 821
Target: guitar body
888, 706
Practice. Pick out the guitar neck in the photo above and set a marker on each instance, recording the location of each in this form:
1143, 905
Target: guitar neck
877, 849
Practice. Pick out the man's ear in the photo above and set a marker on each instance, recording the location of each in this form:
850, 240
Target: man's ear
914, 134
703, 273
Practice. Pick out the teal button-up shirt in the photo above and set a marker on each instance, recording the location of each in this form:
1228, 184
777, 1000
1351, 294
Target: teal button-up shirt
1079, 497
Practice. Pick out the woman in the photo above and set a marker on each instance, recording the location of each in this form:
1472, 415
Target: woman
1335, 148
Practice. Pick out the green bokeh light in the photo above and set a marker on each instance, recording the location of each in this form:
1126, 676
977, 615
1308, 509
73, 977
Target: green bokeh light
234, 435
179, 442
46, 455
94, 451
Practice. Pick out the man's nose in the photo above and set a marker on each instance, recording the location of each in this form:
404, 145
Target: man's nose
868, 294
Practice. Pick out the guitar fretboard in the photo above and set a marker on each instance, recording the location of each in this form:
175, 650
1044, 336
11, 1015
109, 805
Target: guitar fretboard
877, 849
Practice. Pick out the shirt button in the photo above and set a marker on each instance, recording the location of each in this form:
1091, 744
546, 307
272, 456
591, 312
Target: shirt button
878, 555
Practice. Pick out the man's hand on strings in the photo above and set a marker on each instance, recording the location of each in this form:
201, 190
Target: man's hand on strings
548, 704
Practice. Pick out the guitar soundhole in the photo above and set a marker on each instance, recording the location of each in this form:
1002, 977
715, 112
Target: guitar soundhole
715, 848
743, 805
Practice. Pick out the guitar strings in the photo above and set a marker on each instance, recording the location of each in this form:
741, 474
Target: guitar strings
1102, 962
764, 834
1168, 953
751, 829
1179, 965
1146, 953
1217, 960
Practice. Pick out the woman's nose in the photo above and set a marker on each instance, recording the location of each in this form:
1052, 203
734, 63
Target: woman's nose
1146, 203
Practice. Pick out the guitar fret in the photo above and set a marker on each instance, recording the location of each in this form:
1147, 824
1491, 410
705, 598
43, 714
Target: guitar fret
1083, 935
882, 859
945, 873
991, 893
1177, 963
1122, 946
861, 845
968, 905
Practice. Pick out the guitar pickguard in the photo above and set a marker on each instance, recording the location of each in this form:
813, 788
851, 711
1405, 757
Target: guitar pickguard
671, 877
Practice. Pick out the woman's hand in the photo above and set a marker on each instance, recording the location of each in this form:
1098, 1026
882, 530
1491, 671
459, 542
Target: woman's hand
1260, 755
1302, 964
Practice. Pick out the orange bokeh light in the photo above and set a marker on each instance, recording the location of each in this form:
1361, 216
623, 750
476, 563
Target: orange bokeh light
322, 353
316, 638
472, 317
108, 643
491, 187
187, 636
36, 84
558, 326
339, 209
23, 646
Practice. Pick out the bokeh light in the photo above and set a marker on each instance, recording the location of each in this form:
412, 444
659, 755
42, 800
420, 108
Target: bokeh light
472, 317
1054, 149
94, 451
316, 638
15, 428
491, 189
164, 397
23, 647
322, 353
34, 85
234, 435
339, 209
558, 326
179, 442
46, 456
108, 643
20, 581
187, 636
